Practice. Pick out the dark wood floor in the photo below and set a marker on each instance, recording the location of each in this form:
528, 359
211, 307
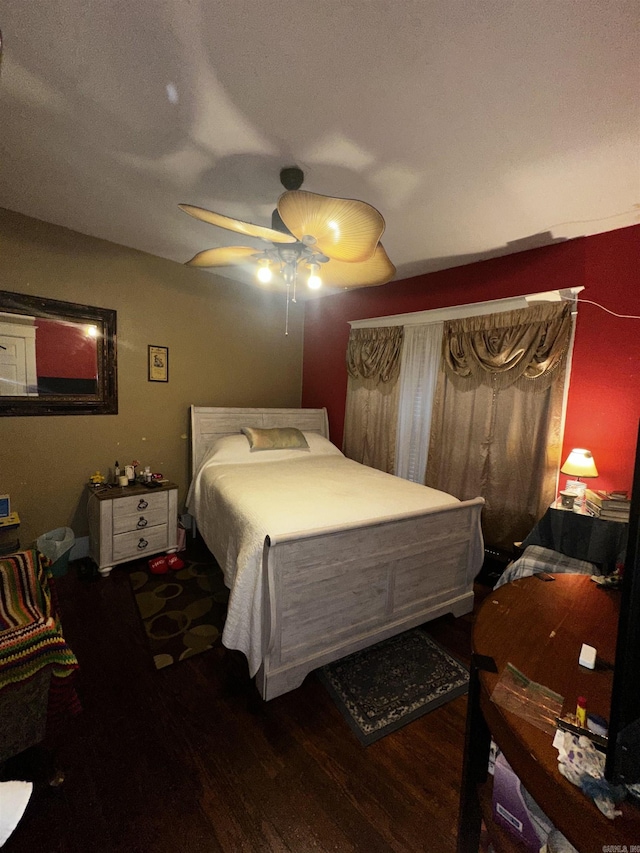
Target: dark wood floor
190, 759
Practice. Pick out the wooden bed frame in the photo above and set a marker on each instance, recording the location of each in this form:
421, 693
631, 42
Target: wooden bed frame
328, 594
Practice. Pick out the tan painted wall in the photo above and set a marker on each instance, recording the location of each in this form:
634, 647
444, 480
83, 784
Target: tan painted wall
226, 348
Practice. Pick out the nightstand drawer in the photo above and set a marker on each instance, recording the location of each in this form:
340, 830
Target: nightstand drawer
137, 544
131, 523
138, 520
146, 503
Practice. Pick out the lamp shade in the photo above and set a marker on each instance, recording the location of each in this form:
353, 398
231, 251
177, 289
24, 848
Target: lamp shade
579, 463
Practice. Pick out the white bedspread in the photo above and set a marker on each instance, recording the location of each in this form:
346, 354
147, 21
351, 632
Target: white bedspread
237, 505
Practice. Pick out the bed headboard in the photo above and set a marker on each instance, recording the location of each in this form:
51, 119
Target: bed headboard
209, 423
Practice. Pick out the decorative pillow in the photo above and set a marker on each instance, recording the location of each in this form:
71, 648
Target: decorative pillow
234, 449
279, 438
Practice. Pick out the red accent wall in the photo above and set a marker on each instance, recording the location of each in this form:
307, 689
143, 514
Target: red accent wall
604, 394
64, 351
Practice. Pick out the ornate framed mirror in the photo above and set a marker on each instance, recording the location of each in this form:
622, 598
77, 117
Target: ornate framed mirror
56, 358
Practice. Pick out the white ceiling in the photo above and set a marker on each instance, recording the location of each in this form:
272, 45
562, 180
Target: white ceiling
477, 128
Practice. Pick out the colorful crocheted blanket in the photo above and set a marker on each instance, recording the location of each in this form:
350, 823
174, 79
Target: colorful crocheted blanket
30, 630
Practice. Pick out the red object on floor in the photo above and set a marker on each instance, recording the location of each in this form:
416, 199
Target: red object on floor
158, 565
174, 562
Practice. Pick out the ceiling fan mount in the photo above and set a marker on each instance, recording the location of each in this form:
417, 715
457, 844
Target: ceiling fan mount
291, 177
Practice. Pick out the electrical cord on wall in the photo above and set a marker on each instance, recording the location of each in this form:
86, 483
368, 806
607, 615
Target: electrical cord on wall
597, 304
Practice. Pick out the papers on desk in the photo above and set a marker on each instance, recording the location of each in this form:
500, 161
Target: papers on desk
531, 701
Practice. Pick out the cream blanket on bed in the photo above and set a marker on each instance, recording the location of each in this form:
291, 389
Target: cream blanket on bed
237, 505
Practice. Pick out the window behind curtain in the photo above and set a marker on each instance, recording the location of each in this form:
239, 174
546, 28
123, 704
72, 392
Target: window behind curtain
499, 440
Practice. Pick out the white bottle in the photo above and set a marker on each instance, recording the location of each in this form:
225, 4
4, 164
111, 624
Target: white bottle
147, 474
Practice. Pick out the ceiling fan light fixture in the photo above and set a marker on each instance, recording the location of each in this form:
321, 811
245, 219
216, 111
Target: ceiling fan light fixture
264, 273
314, 281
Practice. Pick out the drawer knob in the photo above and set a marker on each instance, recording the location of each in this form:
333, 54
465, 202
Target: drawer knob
142, 504
142, 522
142, 544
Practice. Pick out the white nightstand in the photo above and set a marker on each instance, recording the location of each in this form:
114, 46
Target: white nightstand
131, 522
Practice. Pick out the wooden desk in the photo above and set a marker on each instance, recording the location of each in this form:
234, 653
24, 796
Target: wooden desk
539, 627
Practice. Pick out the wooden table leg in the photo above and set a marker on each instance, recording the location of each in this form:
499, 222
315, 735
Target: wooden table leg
476, 760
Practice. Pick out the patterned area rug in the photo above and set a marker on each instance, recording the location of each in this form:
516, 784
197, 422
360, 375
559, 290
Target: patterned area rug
382, 688
182, 612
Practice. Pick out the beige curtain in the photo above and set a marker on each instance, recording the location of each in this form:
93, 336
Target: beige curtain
373, 365
375, 353
527, 347
496, 427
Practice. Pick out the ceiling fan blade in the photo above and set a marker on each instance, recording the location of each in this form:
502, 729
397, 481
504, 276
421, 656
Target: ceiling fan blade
344, 229
225, 256
377, 270
237, 225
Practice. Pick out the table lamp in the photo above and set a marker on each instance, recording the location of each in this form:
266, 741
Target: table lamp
579, 463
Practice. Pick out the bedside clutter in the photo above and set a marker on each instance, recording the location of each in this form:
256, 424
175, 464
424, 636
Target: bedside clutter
516, 810
494, 564
9, 541
557, 843
610, 506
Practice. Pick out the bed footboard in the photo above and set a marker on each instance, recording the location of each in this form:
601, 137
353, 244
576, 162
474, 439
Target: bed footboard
326, 595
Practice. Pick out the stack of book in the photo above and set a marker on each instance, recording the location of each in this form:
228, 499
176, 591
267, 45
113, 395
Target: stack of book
611, 506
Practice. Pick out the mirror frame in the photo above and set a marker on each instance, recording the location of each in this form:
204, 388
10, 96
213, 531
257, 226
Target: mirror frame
105, 402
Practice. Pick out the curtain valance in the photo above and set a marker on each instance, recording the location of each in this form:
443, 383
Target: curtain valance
526, 347
374, 353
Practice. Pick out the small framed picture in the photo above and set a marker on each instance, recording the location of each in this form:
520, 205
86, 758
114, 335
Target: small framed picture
158, 364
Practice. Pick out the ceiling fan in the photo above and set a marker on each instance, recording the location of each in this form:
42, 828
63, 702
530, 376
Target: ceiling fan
334, 240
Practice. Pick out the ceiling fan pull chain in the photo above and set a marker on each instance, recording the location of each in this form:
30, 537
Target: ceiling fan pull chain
286, 319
